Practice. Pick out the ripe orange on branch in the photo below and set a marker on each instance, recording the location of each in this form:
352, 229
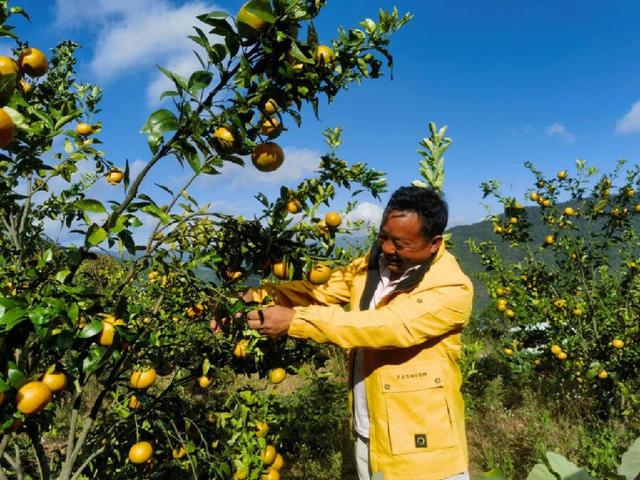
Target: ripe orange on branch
140, 452
268, 455
7, 128
281, 270
225, 137
114, 176
32, 397
84, 129
56, 381
333, 219
33, 62
294, 206
141, 379
267, 156
320, 274
270, 126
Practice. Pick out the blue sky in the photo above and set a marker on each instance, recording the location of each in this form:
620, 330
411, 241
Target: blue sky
544, 81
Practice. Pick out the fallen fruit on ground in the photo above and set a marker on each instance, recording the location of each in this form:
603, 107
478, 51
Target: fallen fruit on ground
277, 375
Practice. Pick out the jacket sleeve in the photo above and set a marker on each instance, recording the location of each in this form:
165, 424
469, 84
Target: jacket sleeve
337, 291
405, 321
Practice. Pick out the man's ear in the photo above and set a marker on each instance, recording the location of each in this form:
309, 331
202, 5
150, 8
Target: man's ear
435, 244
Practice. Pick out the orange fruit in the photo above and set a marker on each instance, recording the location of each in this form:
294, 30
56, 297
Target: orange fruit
281, 270
261, 429
134, 403
225, 137
270, 106
108, 330
508, 351
562, 174
629, 192
556, 349
510, 313
8, 76
546, 202
322, 228
241, 348
617, 343
84, 129
272, 474
636, 208
141, 379
270, 126
7, 128
497, 229
8, 66
534, 196
268, 455
500, 291
324, 55
249, 24
319, 274
568, 212
241, 474
560, 303
294, 206
153, 276
33, 62
561, 356
277, 375
178, 453
204, 381
602, 374
278, 463
267, 156
26, 86
549, 240
333, 219
140, 452
56, 381
32, 397
513, 220
114, 176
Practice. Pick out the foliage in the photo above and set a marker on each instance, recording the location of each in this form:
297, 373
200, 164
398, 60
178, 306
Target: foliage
75, 310
565, 314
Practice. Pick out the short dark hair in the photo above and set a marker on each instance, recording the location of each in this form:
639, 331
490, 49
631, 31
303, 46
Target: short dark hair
430, 207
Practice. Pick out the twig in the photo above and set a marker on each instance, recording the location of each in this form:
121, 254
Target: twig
40, 456
86, 462
3, 444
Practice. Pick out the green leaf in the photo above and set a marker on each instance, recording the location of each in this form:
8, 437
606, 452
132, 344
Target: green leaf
158, 123
12, 317
297, 53
92, 361
493, 474
18, 118
16, 377
96, 234
540, 472
261, 9
566, 469
199, 80
630, 464
62, 275
155, 211
38, 315
89, 205
91, 329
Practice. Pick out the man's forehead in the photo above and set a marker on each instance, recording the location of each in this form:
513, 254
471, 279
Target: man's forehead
408, 220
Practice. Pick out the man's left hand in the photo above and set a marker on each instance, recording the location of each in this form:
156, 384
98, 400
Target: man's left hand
271, 321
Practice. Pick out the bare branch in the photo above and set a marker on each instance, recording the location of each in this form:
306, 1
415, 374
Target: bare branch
86, 462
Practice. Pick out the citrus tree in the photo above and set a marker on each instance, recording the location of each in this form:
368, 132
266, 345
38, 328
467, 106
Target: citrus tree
107, 362
565, 306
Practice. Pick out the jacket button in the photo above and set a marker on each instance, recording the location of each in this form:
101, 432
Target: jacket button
387, 386
419, 300
437, 380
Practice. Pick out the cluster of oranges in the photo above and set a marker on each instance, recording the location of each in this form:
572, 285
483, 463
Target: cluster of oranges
267, 156
31, 62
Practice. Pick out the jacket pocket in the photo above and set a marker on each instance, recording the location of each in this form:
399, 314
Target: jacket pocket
417, 410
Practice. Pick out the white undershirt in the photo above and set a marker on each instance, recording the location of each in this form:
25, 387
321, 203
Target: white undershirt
360, 409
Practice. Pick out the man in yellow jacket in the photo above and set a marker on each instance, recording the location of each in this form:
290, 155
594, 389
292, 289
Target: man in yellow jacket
408, 304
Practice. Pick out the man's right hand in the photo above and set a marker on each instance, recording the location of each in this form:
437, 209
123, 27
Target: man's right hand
217, 324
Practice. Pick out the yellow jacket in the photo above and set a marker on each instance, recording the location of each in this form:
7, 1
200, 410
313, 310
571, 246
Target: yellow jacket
412, 344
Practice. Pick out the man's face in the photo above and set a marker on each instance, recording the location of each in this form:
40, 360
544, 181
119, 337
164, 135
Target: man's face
402, 242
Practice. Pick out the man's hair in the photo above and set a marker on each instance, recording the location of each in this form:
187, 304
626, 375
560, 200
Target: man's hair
431, 209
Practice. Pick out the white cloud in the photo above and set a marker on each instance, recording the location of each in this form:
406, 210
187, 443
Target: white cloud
560, 130
630, 123
136, 35
367, 212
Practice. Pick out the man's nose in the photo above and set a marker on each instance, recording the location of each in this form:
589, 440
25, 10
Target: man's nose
388, 248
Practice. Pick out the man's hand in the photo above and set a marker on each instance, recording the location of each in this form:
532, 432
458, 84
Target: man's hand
271, 321
217, 324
